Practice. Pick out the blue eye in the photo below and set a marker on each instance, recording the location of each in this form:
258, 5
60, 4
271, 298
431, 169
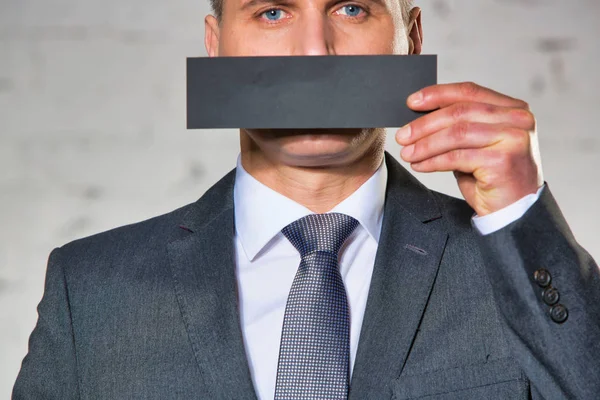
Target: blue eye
273, 14
352, 10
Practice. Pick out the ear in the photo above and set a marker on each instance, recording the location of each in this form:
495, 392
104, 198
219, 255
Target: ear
211, 36
415, 32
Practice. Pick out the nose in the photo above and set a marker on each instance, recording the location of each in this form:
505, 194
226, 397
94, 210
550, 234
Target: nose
314, 36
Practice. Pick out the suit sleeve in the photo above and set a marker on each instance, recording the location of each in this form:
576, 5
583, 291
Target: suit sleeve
540, 276
49, 369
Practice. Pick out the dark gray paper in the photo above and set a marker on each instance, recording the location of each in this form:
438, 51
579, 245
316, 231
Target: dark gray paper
305, 91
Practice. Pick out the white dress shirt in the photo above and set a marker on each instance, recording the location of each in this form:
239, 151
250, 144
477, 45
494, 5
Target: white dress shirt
267, 262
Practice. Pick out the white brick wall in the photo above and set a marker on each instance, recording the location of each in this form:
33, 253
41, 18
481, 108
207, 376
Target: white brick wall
92, 118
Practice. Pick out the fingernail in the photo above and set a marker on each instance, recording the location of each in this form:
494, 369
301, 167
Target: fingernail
416, 98
408, 151
403, 133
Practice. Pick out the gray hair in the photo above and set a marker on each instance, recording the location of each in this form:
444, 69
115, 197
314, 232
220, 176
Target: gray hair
406, 6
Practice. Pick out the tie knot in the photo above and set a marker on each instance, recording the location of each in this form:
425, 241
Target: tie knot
320, 232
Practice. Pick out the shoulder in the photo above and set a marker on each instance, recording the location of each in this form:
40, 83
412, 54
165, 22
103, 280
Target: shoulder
123, 242
146, 241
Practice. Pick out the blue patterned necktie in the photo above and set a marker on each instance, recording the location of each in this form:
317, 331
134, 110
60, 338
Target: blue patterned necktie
315, 341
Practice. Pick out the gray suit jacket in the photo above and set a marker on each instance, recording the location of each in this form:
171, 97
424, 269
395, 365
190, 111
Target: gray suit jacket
149, 310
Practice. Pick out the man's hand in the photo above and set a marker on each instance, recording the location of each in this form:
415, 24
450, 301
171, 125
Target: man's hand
488, 139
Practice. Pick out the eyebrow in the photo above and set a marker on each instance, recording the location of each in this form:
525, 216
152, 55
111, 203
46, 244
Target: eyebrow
254, 3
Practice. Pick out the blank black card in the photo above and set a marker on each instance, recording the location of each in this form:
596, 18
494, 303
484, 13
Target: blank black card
301, 92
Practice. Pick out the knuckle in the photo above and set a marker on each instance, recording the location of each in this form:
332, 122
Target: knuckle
459, 111
454, 156
530, 120
460, 131
469, 89
520, 138
524, 115
485, 108
524, 105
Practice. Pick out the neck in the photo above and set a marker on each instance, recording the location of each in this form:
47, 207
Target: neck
318, 188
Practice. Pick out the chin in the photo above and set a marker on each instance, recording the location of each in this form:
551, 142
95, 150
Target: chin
316, 147
319, 153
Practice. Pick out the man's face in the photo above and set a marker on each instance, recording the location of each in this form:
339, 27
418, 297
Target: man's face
308, 27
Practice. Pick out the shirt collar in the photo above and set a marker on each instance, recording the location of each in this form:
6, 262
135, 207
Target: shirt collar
261, 213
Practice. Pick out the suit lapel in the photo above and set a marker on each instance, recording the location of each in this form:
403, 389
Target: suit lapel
406, 264
202, 262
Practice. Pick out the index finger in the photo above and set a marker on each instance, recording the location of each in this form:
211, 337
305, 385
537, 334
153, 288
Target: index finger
443, 95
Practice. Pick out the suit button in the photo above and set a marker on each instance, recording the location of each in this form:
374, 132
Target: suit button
542, 277
559, 313
550, 295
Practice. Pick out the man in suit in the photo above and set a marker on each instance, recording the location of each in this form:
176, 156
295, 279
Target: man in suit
488, 298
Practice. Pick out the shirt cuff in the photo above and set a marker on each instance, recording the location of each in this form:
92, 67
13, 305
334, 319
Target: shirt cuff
499, 219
